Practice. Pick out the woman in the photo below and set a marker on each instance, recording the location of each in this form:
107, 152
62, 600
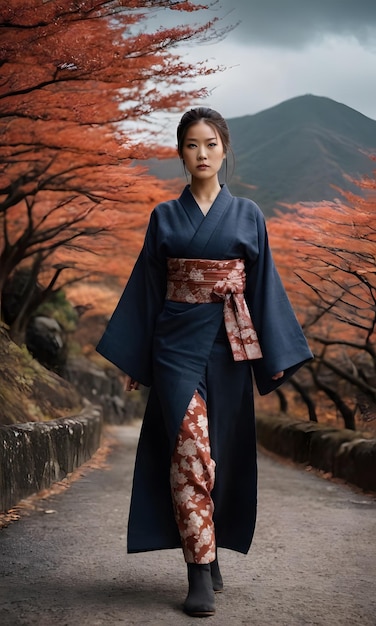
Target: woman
203, 307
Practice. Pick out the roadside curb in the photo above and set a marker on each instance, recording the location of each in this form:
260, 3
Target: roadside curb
36, 454
343, 453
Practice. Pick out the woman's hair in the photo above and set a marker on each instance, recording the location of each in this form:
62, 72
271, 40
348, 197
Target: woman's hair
211, 117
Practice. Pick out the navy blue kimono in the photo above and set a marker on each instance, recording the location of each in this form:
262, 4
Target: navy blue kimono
177, 348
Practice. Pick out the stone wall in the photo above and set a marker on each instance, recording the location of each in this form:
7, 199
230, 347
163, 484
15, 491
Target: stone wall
343, 453
36, 454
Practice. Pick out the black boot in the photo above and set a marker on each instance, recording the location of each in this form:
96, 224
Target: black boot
216, 576
200, 601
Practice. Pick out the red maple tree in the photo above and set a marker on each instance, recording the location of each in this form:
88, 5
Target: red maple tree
79, 80
332, 247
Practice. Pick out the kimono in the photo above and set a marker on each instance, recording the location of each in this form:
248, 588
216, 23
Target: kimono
177, 348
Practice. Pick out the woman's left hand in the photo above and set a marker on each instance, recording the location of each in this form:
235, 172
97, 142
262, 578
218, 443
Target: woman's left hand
278, 375
130, 384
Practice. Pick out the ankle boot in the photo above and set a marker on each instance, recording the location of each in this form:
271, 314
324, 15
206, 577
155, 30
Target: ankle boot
216, 576
200, 601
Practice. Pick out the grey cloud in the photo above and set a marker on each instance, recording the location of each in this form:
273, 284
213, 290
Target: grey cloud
295, 23
287, 23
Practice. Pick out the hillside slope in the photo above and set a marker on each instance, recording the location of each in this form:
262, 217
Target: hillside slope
295, 151
28, 391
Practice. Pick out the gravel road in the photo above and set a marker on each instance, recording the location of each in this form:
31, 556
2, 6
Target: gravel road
312, 562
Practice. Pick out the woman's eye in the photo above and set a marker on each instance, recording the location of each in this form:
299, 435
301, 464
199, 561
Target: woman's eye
191, 145
212, 145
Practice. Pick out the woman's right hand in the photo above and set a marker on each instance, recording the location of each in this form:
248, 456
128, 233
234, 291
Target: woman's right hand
130, 384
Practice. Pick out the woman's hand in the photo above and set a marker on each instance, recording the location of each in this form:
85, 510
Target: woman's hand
130, 384
278, 375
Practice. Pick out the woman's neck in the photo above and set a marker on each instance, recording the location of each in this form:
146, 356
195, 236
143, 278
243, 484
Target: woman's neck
205, 192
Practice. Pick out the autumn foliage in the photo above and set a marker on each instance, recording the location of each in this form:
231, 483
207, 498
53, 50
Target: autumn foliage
332, 250
80, 80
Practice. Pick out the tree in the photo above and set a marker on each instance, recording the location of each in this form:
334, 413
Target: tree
333, 248
78, 81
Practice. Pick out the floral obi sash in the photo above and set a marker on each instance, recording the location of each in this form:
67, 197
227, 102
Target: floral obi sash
197, 281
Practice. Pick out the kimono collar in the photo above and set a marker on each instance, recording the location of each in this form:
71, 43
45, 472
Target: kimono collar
221, 201
204, 225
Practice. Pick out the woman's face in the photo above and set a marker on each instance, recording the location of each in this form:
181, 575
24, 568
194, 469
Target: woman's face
202, 151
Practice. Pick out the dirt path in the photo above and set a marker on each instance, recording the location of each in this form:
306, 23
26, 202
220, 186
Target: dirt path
313, 560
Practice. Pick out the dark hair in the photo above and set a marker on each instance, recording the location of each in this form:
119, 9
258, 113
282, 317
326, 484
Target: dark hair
211, 117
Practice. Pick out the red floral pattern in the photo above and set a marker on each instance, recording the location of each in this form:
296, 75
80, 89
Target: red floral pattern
192, 480
207, 280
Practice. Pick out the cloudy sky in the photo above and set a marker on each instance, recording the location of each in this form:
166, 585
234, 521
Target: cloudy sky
285, 48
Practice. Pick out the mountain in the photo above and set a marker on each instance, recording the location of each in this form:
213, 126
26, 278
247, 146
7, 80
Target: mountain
294, 152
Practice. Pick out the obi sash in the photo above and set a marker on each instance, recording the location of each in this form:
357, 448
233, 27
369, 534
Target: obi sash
198, 281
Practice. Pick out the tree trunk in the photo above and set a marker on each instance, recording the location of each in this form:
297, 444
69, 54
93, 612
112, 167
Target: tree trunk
306, 399
28, 303
283, 404
346, 412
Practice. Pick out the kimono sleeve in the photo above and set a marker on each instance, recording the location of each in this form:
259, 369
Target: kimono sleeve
128, 339
283, 344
